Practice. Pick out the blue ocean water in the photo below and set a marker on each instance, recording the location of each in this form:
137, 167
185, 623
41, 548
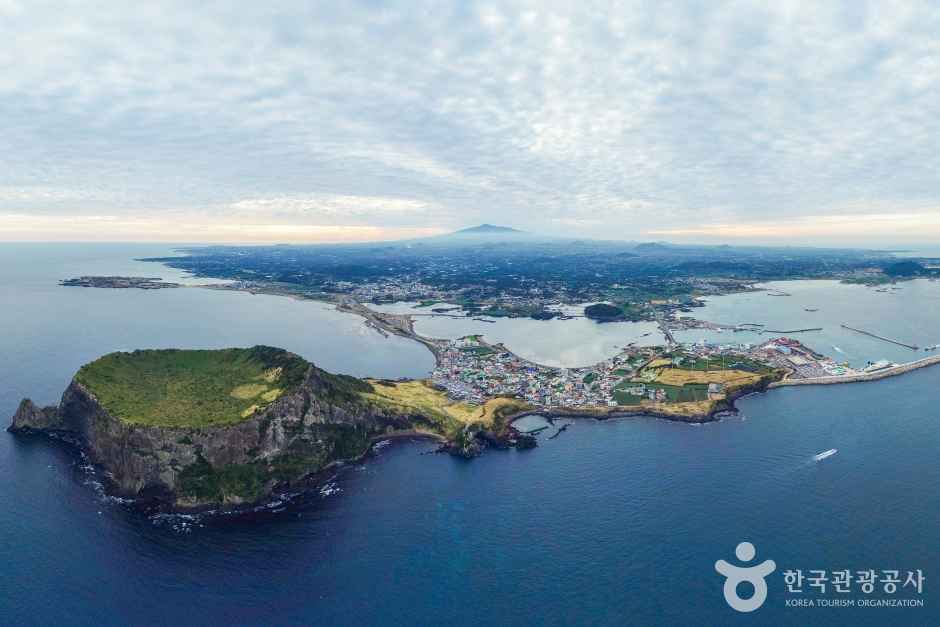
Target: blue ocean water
611, 523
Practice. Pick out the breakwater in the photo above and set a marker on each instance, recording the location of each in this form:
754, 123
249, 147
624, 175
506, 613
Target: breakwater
881, 337
789, 331
865, 376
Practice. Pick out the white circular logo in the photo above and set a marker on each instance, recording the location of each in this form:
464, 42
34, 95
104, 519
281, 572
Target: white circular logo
753, 575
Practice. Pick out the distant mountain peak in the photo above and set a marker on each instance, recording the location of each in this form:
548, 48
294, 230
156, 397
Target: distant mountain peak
653, 246
487, 229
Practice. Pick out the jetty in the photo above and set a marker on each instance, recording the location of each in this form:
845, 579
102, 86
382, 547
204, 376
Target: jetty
792, 330
913, 347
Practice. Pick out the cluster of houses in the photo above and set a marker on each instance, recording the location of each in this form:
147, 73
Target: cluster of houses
388, 290
472, 370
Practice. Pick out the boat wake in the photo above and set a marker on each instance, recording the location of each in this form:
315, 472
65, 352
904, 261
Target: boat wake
818, 457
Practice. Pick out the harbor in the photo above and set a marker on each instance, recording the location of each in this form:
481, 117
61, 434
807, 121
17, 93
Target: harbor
863, 323
883, 373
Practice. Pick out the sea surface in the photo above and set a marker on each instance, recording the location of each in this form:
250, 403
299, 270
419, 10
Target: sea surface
609, 523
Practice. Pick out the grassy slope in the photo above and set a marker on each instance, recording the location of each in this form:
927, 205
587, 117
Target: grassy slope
731, 378
191, 388
446, 415
687, 388
433, 412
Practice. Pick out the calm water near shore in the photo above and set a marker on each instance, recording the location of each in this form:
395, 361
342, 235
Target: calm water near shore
610, 523
562, 343
904, 312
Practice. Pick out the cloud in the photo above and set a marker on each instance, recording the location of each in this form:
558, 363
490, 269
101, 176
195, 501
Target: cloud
866, 228
332, 205
34, 194
184, 229
689, 119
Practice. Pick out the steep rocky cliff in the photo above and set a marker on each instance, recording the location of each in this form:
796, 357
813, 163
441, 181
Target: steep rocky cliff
318, 421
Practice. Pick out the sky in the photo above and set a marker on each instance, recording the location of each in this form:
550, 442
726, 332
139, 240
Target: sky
812, 123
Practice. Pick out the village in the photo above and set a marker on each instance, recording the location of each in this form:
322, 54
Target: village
473, 370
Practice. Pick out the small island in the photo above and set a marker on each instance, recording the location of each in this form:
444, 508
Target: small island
605, 312
119, 282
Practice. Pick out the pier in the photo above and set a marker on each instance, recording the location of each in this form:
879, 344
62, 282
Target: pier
756, 327
881, 337
791, 330
667, 332
862, 376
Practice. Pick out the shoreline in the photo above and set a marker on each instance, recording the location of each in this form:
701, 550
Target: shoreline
402, 325
308, 485
305, 486
615, 413
718, 408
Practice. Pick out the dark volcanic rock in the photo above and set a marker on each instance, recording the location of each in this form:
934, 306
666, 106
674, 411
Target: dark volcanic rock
492, 439
464, 445
30, 417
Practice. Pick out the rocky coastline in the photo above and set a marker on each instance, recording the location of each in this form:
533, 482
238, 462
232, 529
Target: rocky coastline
713, 413
191, 469
297, 441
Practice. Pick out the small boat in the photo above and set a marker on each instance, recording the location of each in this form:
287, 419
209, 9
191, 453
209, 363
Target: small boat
811, 309
837, 349
825, 454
